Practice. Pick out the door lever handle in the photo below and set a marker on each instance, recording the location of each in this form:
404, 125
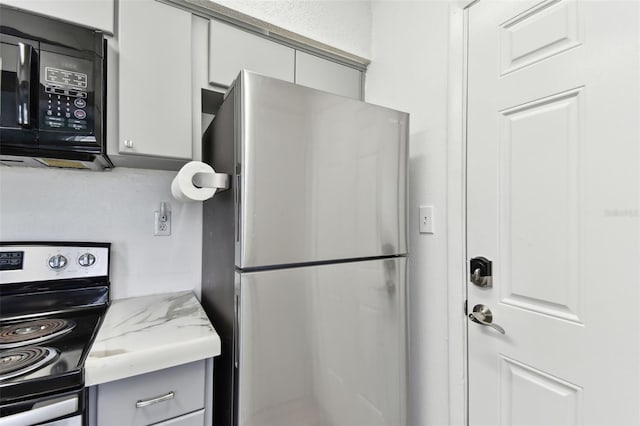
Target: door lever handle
483, 315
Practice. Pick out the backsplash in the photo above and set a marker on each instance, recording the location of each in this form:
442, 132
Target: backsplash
116, 206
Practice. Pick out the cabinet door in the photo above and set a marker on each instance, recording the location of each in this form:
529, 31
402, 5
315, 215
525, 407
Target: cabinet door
321, 74
191, 419
94, 14
152, 397
154, 80
232, 49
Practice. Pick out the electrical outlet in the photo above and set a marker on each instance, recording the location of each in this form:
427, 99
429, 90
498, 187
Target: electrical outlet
426, 220
162, 227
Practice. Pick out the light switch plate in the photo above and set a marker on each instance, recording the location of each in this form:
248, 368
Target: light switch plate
426, 220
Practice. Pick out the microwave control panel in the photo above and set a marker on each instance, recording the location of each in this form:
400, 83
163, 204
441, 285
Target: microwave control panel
66, 93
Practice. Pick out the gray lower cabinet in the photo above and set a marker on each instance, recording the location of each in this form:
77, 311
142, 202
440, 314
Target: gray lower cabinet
173, 396
191, 419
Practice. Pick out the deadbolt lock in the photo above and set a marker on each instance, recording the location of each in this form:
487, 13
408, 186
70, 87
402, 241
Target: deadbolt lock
480, 271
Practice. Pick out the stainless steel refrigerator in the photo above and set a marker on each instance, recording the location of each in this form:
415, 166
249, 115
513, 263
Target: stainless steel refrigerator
305, 258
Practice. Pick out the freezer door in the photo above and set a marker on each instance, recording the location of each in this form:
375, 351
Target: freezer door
323, 345
322, 177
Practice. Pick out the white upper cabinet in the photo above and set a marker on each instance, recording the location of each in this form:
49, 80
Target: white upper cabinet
154, 81
232, 49
94, 13
321, 74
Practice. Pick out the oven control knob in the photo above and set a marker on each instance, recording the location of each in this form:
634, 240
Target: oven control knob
57, 262
86, 260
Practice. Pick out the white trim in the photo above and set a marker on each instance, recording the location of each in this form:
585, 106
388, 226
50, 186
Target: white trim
266, 30
456, 208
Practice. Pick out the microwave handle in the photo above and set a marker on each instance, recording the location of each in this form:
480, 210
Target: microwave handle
23, 73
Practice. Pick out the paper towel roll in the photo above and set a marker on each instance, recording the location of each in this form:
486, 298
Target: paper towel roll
182, 187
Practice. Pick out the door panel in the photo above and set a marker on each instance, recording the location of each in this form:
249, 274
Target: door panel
324, 345
553, 189
539, 217
545, 30
524, 390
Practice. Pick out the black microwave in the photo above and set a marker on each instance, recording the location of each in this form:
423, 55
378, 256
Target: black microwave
52, 102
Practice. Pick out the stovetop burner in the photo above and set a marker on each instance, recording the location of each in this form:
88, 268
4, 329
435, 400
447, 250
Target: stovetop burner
25, 360
32, 332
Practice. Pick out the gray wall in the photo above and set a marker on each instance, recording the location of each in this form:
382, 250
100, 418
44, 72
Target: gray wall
407, 42
409, 72
116, 207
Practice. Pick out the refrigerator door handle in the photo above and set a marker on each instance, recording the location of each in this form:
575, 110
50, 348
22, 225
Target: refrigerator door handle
236, 330
237, 200
389, 287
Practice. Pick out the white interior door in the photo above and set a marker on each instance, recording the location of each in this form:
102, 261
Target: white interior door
553, 188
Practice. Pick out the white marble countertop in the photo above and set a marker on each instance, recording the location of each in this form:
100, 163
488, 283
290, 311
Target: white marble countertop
149, 333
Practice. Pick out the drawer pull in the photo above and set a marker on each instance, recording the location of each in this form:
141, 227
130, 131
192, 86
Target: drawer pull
147, 402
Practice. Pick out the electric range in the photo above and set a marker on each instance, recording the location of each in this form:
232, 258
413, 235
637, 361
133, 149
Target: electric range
53, 297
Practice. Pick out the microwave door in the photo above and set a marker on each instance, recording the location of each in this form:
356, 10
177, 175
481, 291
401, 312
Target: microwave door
18, 63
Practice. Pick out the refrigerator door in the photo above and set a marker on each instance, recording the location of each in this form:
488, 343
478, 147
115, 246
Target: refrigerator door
321, 177
323, 345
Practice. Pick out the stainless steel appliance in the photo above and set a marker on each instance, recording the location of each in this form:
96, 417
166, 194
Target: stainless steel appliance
304, 260
53, 297
51, 93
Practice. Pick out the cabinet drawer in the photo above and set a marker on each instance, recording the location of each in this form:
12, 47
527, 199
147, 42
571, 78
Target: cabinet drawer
177, 390
191, 419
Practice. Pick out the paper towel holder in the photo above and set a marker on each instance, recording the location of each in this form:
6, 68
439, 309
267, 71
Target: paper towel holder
219, 181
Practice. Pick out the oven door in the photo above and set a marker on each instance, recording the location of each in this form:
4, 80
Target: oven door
55, 410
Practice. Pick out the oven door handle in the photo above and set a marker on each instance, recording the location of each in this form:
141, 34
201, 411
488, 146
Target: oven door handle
53, 410
23, 74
